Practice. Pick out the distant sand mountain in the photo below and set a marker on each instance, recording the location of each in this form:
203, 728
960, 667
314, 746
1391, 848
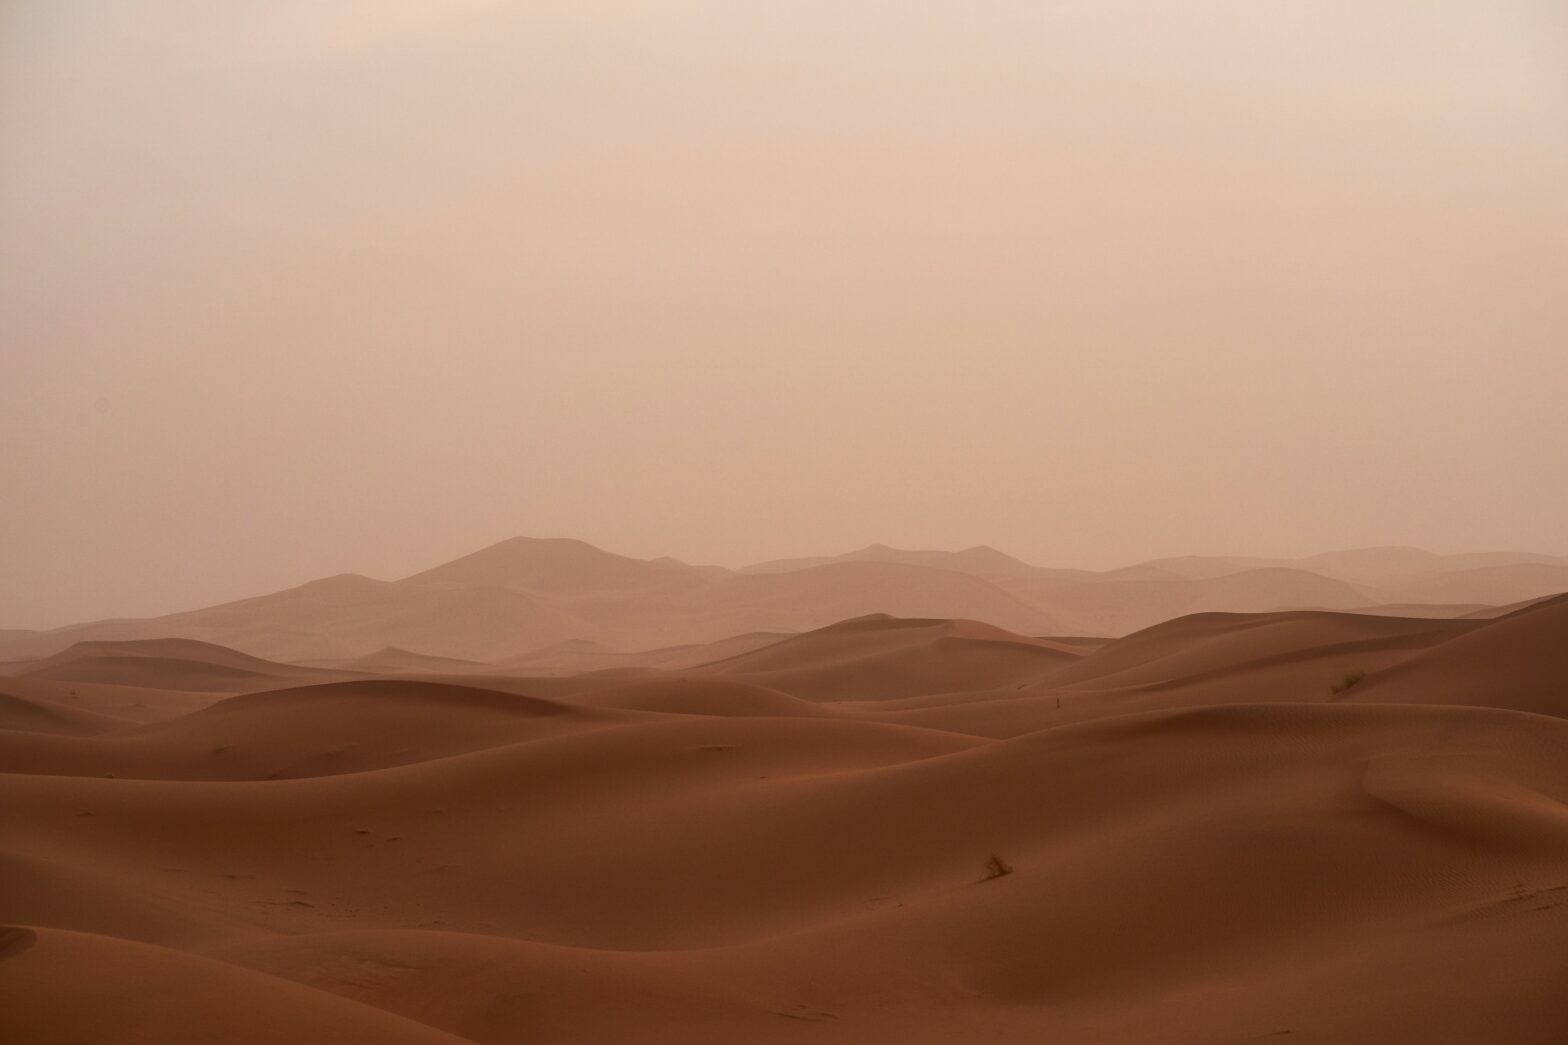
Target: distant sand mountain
526, 600
562, 566
980, 560
1388, 570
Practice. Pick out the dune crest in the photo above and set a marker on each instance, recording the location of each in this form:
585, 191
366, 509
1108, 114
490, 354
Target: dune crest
886, 829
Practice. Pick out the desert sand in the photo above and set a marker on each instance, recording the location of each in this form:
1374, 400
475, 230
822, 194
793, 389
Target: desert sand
1302, 824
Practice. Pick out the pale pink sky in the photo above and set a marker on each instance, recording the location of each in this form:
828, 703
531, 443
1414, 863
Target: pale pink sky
313, 286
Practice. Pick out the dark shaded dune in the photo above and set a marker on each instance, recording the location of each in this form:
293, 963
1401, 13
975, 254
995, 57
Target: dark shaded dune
392, 660
173, 649
583, 657
155, 673
639, 836
343, 727
717, 830
1305, 675
1212, 642
700, 696
819, 595
66, 988
1430, 610
1207, 659
67, 891
842, 641
492, 989
164, 663
417, 692
1476, 983
33, 715
879, 658
104, 707
1519, 661
946, 664
1126, 838
1121, 602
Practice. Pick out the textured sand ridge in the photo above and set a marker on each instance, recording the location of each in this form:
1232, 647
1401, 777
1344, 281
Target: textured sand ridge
1204, 833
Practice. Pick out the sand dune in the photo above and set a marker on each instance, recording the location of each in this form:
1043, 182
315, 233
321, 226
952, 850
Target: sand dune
163, 649
391, 661
1202, 839
162, 664
1519, 661
580, 656
1491, 584
559, 606
884, 657
139, 993
796, 600
30, 714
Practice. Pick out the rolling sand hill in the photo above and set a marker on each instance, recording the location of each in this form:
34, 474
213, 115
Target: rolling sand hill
1304, 825
179, 664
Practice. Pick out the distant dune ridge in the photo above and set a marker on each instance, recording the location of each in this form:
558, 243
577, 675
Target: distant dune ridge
565, 605
1299, 825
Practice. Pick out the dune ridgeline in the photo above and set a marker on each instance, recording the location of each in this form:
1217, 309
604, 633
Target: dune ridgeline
549, 794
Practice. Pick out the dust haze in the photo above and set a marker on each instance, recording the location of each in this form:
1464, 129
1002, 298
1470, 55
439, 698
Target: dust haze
294, 289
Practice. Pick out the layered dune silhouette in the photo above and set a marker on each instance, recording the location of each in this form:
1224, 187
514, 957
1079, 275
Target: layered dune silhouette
562, 605
1299, 824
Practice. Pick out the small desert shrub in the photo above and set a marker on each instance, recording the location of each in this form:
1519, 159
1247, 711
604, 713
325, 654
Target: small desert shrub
1345, 682
996, 867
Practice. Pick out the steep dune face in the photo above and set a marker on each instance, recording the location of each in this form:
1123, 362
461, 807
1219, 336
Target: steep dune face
886, 830
1519, 661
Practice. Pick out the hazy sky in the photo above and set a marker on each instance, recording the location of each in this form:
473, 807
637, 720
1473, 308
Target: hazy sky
302, 287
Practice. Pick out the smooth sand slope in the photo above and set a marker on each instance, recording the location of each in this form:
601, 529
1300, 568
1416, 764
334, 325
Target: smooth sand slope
1205, 835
